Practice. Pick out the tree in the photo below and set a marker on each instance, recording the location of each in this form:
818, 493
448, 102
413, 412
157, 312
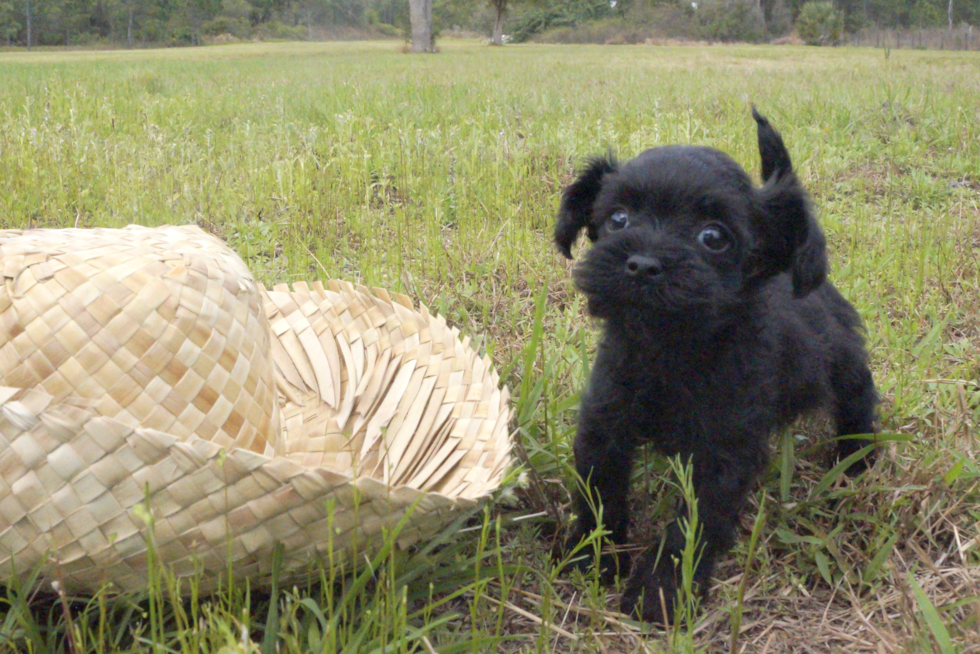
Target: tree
420, 13
312, 11
73, 19
500, 6
9, 27
134, 10
199, 11
341, 12
779, 21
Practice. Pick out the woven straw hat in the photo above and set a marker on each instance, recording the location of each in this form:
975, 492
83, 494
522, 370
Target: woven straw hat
146, 380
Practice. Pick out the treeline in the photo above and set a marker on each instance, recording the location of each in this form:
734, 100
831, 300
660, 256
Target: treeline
190, 22
631, 21
186, 22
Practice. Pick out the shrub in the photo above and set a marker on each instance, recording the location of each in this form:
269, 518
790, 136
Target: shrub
277, 30
731, 20
819, 24
387, 30
639, 23
608, 31
237, 27
534, 19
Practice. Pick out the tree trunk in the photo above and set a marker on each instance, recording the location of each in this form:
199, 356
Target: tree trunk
498, 27
129, 28
28, 25
949, 15
420, 13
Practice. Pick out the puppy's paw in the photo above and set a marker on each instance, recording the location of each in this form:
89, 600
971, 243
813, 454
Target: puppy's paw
611, 562
651, 594
847, 447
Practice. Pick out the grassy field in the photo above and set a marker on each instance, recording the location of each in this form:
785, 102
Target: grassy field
439, 176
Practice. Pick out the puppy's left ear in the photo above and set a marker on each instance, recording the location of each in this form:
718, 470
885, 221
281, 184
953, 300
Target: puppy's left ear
788, 235
577, 201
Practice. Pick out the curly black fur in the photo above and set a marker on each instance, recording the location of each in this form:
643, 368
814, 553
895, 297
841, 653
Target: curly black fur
719, 329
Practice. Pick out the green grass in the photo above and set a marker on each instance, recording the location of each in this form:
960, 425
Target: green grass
439, 176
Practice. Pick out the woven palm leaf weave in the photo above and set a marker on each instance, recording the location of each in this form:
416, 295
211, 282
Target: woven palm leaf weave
149, 387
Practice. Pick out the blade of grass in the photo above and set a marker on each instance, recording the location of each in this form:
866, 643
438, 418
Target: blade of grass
931, 616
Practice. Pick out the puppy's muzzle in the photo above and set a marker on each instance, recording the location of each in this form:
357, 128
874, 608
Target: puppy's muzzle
643, 267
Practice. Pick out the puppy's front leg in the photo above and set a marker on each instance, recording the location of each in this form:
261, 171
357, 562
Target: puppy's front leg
603, 461
722, 478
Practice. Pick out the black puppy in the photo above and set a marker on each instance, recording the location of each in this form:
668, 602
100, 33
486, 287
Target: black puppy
719, 329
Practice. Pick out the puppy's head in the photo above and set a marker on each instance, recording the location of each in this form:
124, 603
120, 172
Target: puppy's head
681, 231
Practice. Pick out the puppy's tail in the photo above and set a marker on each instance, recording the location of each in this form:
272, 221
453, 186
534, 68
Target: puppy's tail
775, 157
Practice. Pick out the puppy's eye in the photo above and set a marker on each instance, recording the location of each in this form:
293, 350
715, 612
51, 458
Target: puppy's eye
714, 239
619, 220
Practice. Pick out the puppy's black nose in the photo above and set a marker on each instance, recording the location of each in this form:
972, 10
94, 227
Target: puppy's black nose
641, 266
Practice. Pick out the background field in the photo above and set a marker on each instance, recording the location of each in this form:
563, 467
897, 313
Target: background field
439, 176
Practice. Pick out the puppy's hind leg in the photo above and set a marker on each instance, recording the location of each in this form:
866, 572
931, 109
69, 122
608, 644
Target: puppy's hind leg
856, 400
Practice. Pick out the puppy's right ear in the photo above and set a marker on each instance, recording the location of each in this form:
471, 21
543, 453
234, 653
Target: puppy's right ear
577, 201
775, 158
790, 237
